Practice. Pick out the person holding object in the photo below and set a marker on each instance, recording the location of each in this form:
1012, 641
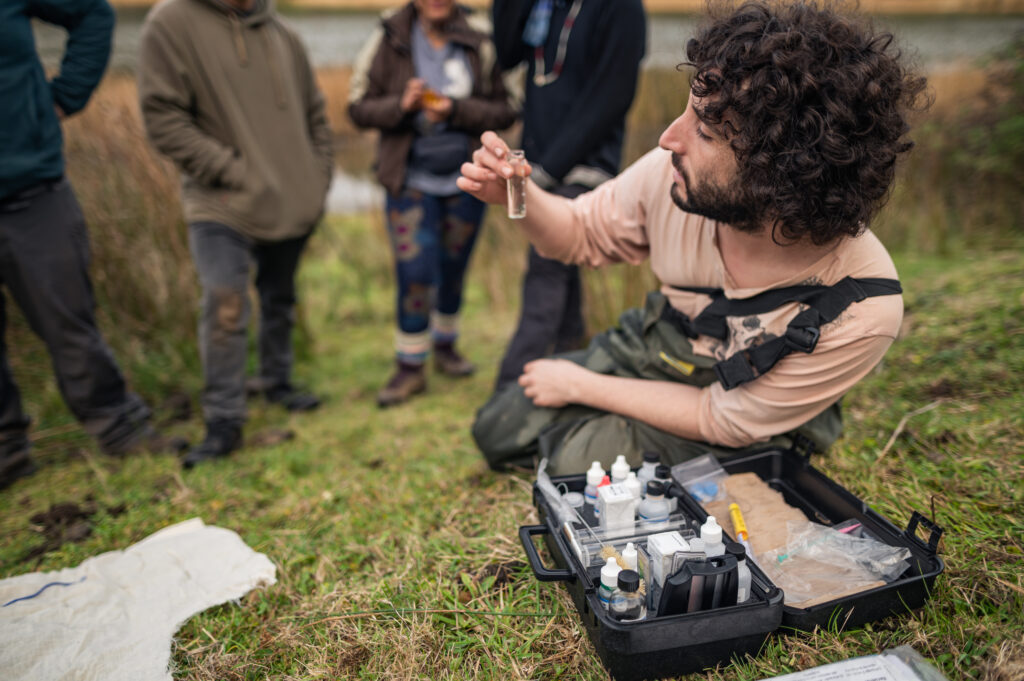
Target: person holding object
776, 298
228, 94
582, 64
44, 244
427, 79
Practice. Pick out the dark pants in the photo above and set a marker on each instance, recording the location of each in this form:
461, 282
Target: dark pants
511, 431
44, 265
224, 258
551, 321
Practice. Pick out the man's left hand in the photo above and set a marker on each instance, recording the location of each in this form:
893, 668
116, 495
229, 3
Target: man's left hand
553, 382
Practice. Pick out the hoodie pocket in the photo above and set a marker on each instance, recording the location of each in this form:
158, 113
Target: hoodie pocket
252, 195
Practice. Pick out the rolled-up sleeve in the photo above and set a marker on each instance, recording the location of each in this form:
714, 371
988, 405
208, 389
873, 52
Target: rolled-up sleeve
609, 223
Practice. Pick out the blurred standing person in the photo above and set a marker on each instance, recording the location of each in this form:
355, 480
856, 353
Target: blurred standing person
44, 245
428, 80
583, 60
227, 93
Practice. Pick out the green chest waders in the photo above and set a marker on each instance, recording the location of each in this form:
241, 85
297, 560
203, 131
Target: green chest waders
655, 344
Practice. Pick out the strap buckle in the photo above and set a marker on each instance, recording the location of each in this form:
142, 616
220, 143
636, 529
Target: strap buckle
802, 338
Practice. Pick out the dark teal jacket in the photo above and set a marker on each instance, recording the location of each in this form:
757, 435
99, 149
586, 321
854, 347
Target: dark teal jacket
30, 136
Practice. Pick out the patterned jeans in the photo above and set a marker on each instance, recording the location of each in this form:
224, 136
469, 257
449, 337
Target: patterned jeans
432, 238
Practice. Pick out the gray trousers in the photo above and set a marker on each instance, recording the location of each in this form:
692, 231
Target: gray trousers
44, 266
511, 431
224, 259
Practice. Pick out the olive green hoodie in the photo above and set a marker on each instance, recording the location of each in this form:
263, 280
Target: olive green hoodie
231, 98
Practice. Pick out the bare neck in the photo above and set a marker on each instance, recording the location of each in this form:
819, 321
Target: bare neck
755, 260
434, 32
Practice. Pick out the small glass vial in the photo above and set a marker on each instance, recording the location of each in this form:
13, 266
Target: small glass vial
517, 184
627, 603
742, 570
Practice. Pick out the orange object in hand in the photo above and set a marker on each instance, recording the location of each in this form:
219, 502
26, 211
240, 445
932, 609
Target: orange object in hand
431, 98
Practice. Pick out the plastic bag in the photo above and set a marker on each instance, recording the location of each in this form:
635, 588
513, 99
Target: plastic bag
819, 564
701, 477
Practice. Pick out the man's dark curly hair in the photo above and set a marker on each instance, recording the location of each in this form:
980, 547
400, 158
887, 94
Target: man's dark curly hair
819, 103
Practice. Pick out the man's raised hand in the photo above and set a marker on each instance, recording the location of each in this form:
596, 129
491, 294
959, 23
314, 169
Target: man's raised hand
484, 177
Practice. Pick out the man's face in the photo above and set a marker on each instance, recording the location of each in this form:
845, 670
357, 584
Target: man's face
705, 176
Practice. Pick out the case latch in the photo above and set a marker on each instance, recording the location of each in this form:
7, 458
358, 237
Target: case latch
935, 533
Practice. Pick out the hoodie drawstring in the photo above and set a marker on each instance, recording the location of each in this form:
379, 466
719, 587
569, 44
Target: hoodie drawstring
275, 73
243, 54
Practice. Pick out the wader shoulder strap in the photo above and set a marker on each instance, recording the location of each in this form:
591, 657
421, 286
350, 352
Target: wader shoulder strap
823, 304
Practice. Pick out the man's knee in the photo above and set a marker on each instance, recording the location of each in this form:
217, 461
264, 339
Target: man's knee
225, 313
506, 428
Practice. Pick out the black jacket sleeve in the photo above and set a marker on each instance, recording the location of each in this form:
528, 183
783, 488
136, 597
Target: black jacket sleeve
509, 20
90, 26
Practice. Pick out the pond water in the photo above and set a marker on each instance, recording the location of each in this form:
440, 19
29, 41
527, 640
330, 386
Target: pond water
335, 38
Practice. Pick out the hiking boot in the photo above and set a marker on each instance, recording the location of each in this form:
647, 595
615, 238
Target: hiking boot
408, 380
222, 438
291, 399
15, 461
147, 439
447, 360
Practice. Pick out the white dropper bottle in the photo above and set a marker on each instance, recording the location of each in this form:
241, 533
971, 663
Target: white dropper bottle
620, 469
594, 476
711, 533
609, 580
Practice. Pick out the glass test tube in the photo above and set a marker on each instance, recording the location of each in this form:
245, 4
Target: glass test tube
517, 184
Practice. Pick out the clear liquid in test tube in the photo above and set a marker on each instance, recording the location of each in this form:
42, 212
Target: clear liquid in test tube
517, 184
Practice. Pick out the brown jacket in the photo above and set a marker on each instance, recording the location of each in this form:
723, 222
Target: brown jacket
233, 102
384, 67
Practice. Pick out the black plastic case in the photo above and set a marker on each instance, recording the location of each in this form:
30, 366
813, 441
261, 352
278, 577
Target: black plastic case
660, 647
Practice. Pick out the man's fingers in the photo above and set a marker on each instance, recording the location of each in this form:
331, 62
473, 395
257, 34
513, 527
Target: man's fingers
494, 144
477, 173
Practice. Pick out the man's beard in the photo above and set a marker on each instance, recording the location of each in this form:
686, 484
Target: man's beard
729, 204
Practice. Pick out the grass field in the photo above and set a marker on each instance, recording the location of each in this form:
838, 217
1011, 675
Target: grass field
396, 549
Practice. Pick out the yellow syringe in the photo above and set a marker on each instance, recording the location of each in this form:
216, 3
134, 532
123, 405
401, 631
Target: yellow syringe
739, 525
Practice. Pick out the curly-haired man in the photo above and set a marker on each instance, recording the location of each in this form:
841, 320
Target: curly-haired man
775, 297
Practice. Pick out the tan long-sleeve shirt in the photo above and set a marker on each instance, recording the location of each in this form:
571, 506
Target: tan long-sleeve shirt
632, 218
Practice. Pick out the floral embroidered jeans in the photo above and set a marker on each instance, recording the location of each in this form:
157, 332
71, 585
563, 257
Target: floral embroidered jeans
432, 238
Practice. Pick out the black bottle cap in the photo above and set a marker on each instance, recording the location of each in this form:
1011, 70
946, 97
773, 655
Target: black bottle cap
652, 457
662, 471
656, 488
629, 580
736, 549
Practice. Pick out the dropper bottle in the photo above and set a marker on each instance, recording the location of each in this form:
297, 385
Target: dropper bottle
609, 580
594, 476
646, 472
633, 485
711, 533
620, 469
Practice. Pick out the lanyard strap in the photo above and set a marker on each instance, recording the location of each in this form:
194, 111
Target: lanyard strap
540, 78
